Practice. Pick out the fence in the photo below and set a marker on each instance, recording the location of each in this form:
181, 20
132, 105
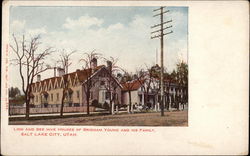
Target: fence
21, 111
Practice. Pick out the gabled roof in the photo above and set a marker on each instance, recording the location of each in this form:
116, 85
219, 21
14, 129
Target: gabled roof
81, 74
85, 73
134, 85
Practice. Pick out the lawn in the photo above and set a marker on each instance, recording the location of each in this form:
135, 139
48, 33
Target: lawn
175, 118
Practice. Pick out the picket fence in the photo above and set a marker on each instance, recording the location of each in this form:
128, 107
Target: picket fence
48, 110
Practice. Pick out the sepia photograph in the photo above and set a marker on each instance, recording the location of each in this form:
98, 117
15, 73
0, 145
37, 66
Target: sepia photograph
98, 65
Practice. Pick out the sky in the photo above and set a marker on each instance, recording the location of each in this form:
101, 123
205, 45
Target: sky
121, 32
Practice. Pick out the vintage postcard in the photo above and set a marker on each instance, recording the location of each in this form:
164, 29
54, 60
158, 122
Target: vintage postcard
127, 78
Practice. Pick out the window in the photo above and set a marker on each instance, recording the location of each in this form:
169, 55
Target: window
78, 94
70, 96
103, 96
36, 98
51, 97
91, 95
57, 96
76, 104
107, 95
102, 83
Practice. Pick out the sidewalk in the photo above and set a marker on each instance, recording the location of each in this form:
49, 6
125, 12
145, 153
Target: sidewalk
174, 118
77, 114
56, 115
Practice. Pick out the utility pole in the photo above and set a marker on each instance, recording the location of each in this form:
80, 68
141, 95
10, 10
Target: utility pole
161, 35
156, 59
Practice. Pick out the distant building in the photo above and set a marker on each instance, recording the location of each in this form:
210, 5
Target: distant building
49, 92
174, 94
137, 93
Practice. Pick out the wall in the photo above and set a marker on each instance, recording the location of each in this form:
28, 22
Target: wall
134, 97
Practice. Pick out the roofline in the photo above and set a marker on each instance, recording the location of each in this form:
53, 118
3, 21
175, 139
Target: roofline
115, 80
100, 70
93, 74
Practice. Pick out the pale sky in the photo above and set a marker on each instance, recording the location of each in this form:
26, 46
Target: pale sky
120, 32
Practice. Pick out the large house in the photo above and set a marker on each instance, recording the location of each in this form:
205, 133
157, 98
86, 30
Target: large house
174, 94
104, 86
49, 92
136, 89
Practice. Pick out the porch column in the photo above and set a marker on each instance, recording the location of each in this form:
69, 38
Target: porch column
132, 108
117, 110
142, 99
156, 101
164, 101
170, 101
111, 96
128, 109
112, 109
158, 106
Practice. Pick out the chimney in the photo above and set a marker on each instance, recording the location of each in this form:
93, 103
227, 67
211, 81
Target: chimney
119, 77
109, 65
54, 71
38, 78
60, 71
93, 63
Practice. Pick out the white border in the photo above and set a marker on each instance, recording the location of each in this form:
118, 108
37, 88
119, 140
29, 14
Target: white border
218, 91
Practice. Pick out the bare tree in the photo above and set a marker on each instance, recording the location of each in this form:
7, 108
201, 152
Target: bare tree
145, 78
148, 80
64, 62
128, 84
30, 62
111, 86
156, 85
89, 82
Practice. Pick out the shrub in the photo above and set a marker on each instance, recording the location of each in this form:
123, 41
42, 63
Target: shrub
122, 105
96, 104
106, 105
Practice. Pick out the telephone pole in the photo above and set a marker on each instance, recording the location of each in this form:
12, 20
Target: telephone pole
161, 35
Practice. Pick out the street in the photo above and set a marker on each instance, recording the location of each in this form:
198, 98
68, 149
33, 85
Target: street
174, 118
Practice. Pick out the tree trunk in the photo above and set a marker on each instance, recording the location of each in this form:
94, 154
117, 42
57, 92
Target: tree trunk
110, 107
62, 104
27, 107
177, 101
167, 102
88, 103
146, 99
154, 101
129, 95
110, 103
